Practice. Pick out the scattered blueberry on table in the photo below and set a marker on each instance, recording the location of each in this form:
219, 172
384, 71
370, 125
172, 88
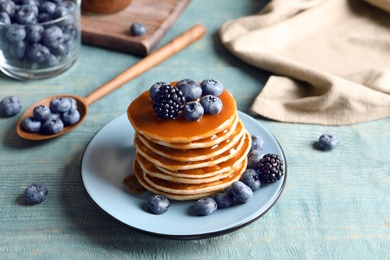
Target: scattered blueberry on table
35, 193
137, 29
327, 142
10, 106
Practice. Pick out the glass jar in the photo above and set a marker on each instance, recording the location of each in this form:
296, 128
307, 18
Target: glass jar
43, 49
103, 6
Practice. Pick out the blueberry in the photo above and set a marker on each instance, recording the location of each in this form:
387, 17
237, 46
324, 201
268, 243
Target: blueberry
70, 32
52, 60
158, 204
52, 125
26, 14
34, 33
251, 178
241, 191
10, 106
60, 51
155, 87
73, 102
190, 89
38, 52
193, 111
53, 36
327, 142
31, 124
18, 49
205, 206
137, 29
4, 18
70, 117
211, 87
224, 199
8, 7
47, 7
15, 33
41, 112
35, 193
211, 104
44, 17
59, 105
257, 142
254, 157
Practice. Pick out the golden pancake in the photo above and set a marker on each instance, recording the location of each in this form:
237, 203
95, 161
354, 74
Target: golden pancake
139, 175
241, 147
204, 142
198, 154
144, 120
153, 171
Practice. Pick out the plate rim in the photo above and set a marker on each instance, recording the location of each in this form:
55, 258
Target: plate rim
188, 236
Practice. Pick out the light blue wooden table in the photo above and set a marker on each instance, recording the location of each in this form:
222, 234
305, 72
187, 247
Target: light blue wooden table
335, 204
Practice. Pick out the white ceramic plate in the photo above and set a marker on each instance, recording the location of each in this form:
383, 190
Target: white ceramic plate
108, 159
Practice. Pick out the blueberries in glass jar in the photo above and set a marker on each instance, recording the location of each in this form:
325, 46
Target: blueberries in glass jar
8, 7
34, 33
38, 52
26, 14
53, 36
4, 18
18, 49
47, 7
15, 33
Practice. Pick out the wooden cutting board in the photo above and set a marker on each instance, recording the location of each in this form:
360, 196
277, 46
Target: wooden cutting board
113, 31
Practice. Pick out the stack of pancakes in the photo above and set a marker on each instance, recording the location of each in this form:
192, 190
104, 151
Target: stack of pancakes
186, 160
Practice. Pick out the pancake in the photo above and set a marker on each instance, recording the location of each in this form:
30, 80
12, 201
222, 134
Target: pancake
187, 160
201, 143
240, 148
198, 154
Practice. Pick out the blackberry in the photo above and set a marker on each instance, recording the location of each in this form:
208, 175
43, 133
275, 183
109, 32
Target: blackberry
168, 102
270, 168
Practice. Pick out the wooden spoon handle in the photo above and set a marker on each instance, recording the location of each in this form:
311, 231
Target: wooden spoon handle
179, 43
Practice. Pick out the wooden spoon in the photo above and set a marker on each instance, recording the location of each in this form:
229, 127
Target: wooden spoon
166, 51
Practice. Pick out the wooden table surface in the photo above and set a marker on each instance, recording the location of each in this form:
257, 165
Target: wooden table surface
335, 204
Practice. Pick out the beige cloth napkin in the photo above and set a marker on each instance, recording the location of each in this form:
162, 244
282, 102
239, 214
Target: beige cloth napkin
330, 59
